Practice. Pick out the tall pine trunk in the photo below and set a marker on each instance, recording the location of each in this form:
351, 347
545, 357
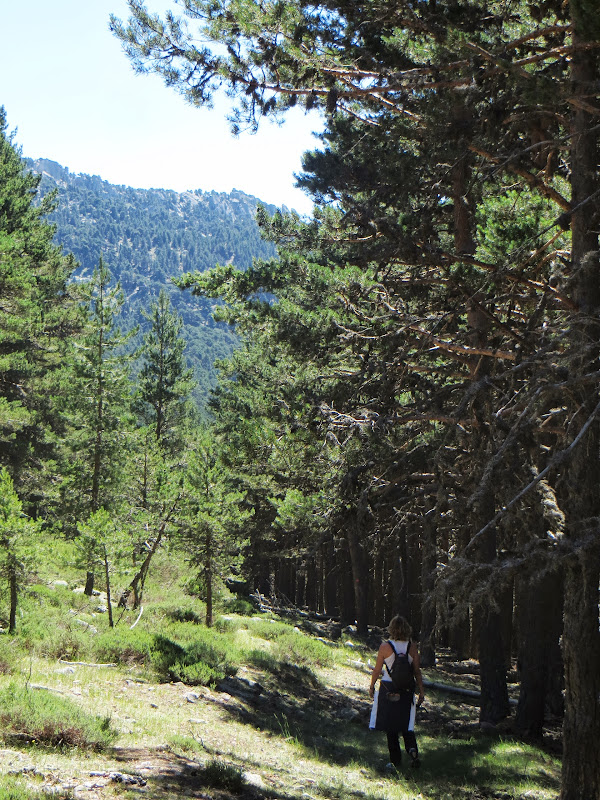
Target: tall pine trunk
581, 637
14, 593
360, 575
539, 603
208, 576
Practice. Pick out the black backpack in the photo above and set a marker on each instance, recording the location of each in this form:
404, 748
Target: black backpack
402, 673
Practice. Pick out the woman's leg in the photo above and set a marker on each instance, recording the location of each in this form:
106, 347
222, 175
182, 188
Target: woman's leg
410, 741
393, 741
410, 745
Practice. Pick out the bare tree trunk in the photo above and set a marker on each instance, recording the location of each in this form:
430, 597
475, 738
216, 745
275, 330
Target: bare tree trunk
428, 616
494, 690
14, 594
108, 600
345, 586
332, 607
89, 584
581, 637
539, 604
208, 575
360, 575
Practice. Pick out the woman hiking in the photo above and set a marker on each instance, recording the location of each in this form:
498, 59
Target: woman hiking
394, 706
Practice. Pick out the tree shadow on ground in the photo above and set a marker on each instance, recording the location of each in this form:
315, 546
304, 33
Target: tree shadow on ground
165, 774
331, 727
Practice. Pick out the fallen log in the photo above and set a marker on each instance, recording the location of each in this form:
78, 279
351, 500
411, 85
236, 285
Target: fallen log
444, 687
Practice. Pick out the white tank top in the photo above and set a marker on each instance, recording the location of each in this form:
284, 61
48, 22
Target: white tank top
401, 647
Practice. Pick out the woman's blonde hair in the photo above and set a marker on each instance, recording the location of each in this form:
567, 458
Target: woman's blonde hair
399, 628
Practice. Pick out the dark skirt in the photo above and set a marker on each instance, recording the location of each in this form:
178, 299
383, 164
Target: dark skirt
393, 711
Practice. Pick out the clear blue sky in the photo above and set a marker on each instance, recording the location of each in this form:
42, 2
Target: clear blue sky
73, 97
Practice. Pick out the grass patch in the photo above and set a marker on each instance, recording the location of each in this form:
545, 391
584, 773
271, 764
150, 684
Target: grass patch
41, 718
16, 789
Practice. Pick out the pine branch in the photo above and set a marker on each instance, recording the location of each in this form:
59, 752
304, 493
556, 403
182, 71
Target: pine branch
557, 459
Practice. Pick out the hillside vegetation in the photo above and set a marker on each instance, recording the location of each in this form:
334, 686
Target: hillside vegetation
147, 238
259, 707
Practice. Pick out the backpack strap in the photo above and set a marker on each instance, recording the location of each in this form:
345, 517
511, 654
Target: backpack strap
395, 657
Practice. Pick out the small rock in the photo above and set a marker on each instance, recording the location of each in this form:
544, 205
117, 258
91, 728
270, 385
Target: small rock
349, 714
59, 583
87, 625
253, 779
192, 697
65, 671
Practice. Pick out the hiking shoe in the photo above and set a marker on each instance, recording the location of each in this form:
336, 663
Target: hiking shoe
390, 769
414, 758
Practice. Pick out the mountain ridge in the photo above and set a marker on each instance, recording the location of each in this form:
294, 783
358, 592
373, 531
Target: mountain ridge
148, 237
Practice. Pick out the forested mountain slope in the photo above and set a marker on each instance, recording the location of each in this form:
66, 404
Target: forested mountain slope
149, 236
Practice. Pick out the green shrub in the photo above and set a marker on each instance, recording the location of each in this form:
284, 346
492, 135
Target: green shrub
229, 626
269, 629
10, 654
54, 634
205, 660
263, 660
39, 717
196, 674
56, 596
184, 615
239, 605
222, 776
124, 646
304, 650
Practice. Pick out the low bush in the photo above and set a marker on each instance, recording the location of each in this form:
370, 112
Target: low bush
40, 717
210, 657
269, 629
179, 614
10, 655
218, 775
239, 605
123, 646
304, 650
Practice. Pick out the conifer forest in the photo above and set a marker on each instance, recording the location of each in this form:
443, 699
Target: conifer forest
406, 417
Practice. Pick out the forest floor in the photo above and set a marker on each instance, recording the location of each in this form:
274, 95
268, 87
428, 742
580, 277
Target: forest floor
287, 736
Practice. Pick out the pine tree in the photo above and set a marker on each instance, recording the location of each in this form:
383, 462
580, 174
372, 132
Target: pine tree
97, 400
474, 357
17, 535
213, 519
38, 317
165, 381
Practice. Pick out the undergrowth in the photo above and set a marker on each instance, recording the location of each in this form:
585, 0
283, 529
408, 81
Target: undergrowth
296, 735
38, 717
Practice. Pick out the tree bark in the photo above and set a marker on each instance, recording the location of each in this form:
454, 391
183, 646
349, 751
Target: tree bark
332, 607
208, 575
345, 586
581, 637
89, 584
360, 575
428, 571
108, 600
494, 690
539, 605
14, 595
